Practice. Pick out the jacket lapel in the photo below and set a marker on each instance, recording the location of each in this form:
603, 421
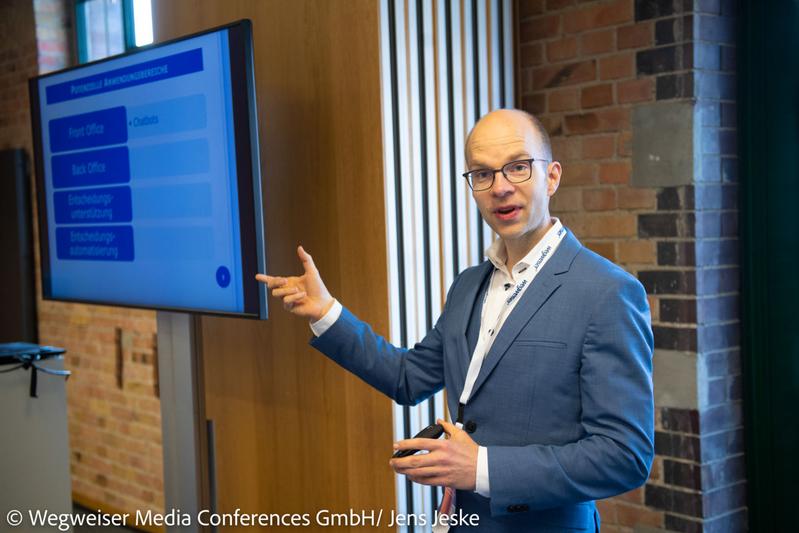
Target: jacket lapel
545, 283
464, 313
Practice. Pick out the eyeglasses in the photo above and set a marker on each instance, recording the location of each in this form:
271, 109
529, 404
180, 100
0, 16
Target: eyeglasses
482, 179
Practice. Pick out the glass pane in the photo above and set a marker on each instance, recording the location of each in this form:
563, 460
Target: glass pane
105, 28
143, 21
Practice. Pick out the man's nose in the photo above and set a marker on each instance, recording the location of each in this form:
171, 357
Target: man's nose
502, 185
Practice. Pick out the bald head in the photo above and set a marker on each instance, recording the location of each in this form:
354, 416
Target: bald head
506, 126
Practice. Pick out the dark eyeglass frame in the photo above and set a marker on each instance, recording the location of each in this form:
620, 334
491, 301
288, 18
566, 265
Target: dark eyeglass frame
494, 171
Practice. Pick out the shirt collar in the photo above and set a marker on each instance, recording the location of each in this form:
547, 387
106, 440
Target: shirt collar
498, 254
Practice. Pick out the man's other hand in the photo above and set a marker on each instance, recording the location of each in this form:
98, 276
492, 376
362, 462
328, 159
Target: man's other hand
305, 295
450, 463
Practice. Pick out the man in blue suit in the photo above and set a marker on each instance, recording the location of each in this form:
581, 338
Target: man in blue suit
545, 350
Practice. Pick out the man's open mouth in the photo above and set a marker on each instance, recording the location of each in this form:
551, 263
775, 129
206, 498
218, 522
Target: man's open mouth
507, 211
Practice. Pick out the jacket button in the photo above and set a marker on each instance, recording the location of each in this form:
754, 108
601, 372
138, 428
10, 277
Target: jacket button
470, 426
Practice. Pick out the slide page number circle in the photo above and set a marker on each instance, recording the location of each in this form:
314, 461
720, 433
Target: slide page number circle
223, 276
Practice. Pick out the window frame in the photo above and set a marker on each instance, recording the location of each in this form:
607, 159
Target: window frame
128, 29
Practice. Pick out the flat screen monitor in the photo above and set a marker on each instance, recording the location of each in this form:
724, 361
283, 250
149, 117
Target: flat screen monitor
148, 178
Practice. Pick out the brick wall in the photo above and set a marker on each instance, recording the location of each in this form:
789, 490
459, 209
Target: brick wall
639, 98
112, 404
17, 63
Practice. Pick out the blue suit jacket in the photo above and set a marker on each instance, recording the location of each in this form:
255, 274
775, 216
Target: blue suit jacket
563, 401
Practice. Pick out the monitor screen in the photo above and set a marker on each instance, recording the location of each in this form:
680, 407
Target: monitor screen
148, 178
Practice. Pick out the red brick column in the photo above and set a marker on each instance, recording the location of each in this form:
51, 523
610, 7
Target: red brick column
588, 69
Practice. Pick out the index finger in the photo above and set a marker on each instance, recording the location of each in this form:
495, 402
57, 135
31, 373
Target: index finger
271, 281
418, 444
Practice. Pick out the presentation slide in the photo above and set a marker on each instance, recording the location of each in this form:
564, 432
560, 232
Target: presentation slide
140, 179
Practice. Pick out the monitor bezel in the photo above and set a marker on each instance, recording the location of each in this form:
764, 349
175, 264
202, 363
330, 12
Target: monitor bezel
248, 174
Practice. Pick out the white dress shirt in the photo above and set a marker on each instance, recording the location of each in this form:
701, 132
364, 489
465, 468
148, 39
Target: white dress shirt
493, 315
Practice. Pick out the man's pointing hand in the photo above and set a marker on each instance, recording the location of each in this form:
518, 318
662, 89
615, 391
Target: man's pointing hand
305, 295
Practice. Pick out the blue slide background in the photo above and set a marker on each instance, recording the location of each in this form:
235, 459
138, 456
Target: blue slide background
140, 179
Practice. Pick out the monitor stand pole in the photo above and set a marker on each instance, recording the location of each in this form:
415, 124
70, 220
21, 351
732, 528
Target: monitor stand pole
182, 416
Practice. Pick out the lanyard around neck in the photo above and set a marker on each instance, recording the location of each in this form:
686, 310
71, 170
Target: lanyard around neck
549, 243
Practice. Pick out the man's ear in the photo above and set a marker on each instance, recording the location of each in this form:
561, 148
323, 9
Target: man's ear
554, 171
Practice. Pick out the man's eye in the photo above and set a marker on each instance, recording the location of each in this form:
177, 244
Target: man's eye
483, 175
518, 167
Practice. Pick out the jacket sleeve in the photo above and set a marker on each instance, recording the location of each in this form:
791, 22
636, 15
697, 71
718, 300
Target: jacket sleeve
408, 376
616, 453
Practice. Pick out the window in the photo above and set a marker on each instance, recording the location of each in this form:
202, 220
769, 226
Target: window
110, 27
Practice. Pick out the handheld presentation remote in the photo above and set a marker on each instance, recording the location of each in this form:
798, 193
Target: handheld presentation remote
433, 431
